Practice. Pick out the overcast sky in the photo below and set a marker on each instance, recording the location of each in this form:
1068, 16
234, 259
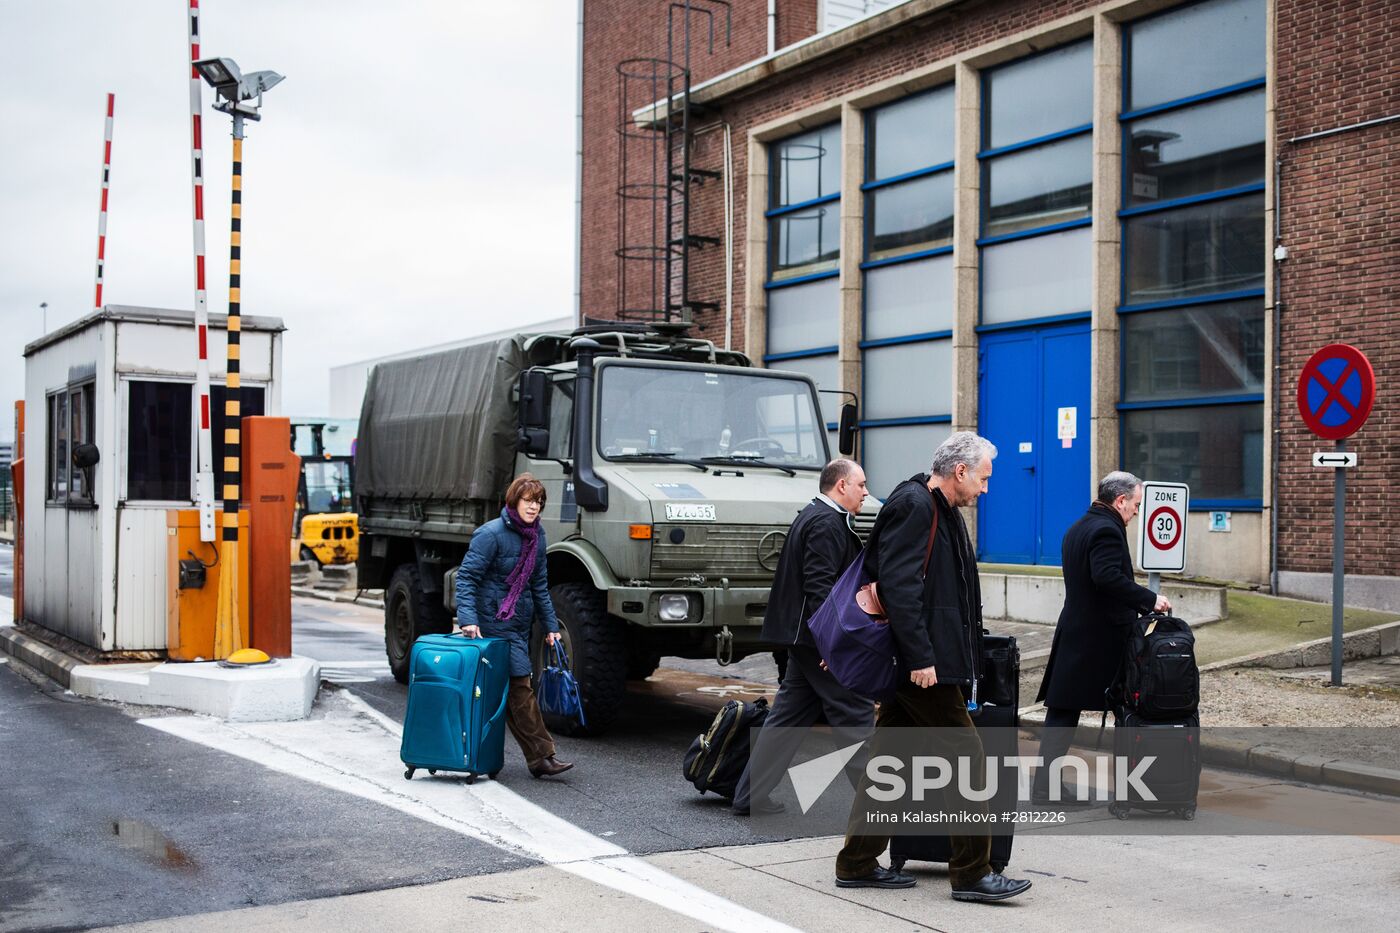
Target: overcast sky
411, 182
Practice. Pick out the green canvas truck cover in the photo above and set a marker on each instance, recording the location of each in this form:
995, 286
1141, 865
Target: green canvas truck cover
442, 425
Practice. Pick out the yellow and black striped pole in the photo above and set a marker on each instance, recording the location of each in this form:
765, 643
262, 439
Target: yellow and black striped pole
228, 636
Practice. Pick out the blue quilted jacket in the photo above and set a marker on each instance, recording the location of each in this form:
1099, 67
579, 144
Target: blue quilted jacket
481, 586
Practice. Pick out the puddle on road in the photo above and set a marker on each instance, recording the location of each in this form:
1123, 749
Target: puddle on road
146, 839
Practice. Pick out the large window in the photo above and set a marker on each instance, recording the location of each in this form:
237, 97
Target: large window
159, 434
1037, 168
1194, 247
804, 248
70, 423
906, 336
660, 414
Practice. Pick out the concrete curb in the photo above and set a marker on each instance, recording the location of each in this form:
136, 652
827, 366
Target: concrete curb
1377, 641
1238, 754
312, 593
48, 660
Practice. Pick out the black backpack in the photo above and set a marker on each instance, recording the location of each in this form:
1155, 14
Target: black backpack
1160, 680
717, 757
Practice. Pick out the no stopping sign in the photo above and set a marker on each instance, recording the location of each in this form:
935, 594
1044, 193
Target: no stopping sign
1162, 541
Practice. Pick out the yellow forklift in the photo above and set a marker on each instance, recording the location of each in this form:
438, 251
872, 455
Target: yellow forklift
326, 528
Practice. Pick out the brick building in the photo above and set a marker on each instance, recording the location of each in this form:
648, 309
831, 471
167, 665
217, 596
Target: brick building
1056, 222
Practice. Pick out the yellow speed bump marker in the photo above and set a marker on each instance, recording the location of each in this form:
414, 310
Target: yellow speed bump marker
246, 657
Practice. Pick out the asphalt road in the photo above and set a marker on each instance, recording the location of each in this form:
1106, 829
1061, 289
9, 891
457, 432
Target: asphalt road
103, 820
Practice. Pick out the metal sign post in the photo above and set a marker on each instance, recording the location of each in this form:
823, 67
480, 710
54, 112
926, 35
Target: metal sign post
1336, 390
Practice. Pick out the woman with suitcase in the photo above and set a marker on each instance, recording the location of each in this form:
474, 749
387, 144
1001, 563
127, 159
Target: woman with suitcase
502, 590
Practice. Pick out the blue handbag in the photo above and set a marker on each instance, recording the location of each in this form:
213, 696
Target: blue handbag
558, 689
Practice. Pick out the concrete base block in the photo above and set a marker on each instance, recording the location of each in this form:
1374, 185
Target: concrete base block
1369, 591
1034, 599
278, 692
1028, 598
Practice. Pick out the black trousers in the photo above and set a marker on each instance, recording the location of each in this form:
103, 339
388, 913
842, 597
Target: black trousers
940, 707
1055, 741
806, 693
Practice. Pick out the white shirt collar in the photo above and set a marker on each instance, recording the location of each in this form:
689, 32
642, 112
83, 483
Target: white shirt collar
831, 502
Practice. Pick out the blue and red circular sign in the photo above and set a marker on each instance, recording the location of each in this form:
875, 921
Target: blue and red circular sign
1336, 391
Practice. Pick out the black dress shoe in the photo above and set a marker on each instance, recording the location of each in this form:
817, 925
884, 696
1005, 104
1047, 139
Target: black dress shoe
550, 767
991, 887
879, 878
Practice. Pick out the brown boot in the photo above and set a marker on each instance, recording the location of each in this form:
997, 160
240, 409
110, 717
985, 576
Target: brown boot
550, 767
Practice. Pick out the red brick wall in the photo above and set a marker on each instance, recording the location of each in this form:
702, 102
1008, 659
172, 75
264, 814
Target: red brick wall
614, 30
1341, 282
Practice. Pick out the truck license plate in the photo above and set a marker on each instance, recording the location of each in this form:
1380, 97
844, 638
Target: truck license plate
690, 512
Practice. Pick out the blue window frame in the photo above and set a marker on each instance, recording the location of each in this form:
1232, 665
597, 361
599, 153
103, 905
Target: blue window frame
1037, 171
1194, 251
906, 330
804, 248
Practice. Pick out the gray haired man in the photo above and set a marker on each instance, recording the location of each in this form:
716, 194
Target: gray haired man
936, 619
1101, 601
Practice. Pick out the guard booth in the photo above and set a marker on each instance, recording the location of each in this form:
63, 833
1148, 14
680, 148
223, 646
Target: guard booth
95, 538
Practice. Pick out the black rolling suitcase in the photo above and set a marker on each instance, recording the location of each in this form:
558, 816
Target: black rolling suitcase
1174, 778
1155, 715
1000, 697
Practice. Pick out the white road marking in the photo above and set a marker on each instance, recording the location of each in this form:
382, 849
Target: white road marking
355, 750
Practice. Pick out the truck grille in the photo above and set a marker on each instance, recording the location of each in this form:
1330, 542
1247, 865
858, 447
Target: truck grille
721, 551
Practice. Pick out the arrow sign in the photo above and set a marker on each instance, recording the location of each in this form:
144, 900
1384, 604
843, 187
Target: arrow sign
1335, 459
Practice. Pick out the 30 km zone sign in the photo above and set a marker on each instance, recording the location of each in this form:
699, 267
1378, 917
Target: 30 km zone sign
1162, 545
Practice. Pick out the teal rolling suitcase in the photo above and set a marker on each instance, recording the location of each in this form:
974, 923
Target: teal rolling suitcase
456, 718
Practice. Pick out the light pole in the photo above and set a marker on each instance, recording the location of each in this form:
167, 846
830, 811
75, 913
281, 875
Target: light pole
44, 310
239, 96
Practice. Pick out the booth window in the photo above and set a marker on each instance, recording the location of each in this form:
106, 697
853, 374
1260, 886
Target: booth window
1194, 246
70, 413
251, 402
158, 437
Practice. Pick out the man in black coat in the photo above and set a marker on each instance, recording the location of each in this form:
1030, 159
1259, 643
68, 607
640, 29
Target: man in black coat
936, 619
1101, 600
820, 546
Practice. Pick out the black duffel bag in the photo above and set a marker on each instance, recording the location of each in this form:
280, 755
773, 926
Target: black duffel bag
716, 759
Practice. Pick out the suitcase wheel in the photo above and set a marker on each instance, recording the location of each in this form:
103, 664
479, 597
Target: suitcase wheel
471, 778
493, 774
896, 863
1189, 813
432, 770
408, 775
998, 867
1118, 810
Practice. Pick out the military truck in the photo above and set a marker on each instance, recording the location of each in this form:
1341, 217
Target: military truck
672, 470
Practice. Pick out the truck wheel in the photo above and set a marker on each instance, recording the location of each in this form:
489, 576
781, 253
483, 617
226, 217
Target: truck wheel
408, 613
597, 648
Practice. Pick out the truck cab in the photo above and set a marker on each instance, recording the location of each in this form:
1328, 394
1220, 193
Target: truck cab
672, 470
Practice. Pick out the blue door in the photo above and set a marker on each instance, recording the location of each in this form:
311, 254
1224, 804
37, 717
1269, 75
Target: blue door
1033, 382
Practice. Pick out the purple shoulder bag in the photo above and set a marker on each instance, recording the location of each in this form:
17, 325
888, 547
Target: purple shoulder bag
853, 634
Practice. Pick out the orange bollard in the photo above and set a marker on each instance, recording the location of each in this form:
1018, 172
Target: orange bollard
270, 474
191, 610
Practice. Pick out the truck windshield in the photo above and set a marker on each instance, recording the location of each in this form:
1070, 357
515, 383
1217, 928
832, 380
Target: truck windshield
697, 413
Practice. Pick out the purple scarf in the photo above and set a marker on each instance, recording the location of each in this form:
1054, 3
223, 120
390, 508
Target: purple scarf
524, 564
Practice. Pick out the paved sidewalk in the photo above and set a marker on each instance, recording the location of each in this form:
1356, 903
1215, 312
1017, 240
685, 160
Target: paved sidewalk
1204, 883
